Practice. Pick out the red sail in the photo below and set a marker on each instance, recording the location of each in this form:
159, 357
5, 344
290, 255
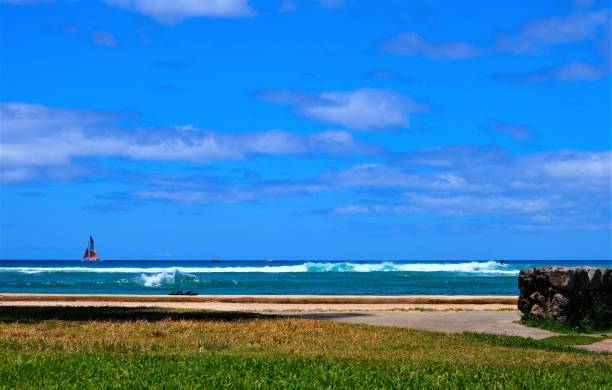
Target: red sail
90, 252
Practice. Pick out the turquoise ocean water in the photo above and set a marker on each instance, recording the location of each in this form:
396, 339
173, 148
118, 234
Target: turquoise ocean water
269, 277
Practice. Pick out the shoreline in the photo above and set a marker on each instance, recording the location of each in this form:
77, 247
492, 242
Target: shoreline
260, 303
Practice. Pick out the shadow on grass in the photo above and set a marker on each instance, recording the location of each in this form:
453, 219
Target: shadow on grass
119, 314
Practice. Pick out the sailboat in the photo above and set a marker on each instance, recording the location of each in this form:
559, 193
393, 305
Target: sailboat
90, 252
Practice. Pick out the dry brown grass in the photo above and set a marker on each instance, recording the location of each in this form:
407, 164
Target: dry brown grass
251, 336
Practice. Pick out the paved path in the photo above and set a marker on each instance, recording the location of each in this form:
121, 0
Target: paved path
602, 346
495, 322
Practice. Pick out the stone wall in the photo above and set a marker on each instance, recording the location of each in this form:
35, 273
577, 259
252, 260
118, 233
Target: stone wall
568, 295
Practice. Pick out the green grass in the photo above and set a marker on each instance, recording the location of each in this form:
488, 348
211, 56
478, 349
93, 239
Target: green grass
553, 326
562, 343
572, 340
138, 348
79, 371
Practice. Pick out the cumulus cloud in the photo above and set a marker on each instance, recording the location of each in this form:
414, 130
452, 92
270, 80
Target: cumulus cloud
537, 34
362, 109
543, 188
351, 209
454, 205
458, 156
175, 11
500, 171
412, 44
36, 139
540, 189
533, 38
569, 72
193, 191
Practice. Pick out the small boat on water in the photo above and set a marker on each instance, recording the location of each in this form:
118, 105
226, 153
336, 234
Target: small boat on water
90, 252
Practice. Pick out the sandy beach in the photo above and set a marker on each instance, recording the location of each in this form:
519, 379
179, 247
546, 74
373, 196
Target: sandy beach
261, 303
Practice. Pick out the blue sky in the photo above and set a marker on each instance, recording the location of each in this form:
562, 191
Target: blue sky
305, 129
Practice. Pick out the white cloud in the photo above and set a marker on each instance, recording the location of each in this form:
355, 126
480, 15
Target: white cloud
568, 72
455, 205
471, 204
570, 187
594, 166
36, 138
194, 190
539, 33
175, 11
563, 170
372, 176
351, 210
361, 109
533, 38
412, 44
539, 190
578, 71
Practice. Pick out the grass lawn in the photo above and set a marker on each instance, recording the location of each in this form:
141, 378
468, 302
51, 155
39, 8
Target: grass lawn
554, 326
122, 347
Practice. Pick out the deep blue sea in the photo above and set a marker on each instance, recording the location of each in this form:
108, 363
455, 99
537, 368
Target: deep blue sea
269, 277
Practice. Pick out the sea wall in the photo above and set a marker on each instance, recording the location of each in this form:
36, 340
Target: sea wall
568, 295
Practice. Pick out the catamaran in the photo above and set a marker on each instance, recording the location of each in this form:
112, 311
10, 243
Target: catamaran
90, 252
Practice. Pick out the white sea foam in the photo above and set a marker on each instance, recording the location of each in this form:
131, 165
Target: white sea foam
159, 274
167, 277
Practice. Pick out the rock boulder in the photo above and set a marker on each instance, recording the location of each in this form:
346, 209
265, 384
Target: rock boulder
570, 295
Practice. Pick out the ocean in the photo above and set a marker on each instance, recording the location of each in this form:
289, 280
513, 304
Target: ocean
269, 277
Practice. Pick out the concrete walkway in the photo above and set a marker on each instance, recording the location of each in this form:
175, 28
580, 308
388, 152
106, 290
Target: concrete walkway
602, 346
495, 322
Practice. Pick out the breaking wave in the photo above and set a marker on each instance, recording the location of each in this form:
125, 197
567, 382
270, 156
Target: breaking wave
155, 276
165, 278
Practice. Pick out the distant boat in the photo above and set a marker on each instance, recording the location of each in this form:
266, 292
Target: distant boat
90, 252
